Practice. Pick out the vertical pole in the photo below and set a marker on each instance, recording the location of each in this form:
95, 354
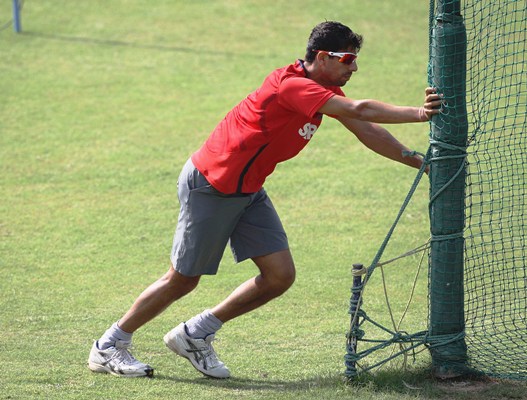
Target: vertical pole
16, 16
448, 140
354, 334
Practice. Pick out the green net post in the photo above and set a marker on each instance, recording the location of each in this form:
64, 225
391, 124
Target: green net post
447, 193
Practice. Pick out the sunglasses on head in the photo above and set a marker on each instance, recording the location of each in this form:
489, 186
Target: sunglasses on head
346, 58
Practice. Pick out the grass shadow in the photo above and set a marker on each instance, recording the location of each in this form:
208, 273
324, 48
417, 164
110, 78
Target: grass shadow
122, 43
422, 384
262, 384
416, 383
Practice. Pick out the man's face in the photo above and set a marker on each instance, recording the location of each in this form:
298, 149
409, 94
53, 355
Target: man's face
338, 69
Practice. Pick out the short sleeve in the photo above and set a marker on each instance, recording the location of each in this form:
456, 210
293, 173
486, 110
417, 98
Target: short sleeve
304, 96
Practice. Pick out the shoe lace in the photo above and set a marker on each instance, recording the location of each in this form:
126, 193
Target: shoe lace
208, 352
123, 354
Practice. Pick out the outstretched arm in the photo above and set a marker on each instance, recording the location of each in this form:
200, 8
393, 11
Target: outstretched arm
378, 139
377, 111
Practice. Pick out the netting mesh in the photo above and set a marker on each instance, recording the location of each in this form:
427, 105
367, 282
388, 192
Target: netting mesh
478, 272
478, 59
496, 204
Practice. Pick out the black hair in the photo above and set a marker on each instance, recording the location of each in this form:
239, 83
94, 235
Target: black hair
331, 36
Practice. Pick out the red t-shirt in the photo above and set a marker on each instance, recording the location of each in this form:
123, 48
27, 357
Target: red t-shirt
269, 126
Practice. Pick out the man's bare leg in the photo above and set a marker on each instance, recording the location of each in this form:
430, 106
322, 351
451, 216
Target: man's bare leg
156, 298
277, 274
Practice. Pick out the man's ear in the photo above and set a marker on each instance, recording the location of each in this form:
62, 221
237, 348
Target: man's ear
322, 58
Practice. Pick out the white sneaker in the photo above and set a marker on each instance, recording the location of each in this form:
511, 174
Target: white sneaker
198, 351
117, 361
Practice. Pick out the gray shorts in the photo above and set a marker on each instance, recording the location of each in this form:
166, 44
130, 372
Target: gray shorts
209, 219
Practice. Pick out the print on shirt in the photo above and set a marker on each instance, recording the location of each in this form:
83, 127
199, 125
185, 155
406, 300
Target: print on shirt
308, 131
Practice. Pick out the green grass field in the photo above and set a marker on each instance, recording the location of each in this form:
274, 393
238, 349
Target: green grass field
101, 103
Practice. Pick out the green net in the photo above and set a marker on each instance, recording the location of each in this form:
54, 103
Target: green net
478, 297
477, 257
496, 203
478, 274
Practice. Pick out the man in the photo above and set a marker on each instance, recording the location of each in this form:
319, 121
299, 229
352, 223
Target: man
222, 198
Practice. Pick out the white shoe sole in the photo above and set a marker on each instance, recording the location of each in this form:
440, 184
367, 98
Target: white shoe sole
103, 369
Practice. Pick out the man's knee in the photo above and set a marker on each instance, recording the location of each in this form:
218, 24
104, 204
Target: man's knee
280, 279
277, 270
288, 277
181, 283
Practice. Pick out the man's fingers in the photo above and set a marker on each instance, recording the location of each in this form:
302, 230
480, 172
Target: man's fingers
430, 90
434, 103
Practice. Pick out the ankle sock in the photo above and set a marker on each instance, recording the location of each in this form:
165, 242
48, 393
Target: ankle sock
113, 334
203, 325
